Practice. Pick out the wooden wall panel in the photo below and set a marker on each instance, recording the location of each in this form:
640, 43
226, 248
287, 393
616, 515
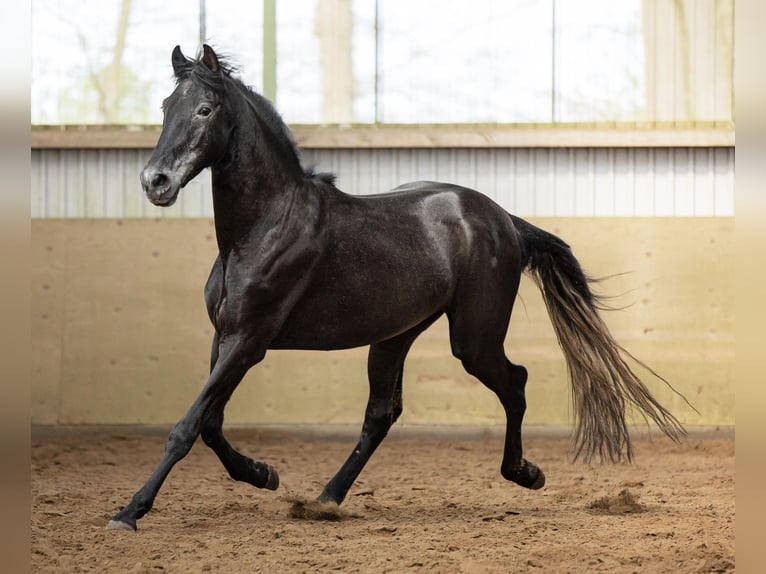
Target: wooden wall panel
120, 334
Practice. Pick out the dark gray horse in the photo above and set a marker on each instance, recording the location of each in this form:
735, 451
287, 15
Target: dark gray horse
303, 265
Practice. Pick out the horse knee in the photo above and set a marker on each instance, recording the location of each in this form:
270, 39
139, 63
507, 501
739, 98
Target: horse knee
180, 440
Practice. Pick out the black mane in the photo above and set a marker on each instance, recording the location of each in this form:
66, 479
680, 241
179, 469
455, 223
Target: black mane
269, 117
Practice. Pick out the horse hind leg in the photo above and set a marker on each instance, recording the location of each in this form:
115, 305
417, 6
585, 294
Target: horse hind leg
385, 371
483, 357
385, 368
515, 467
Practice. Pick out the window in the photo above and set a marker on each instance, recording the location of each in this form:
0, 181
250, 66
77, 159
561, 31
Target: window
382, 61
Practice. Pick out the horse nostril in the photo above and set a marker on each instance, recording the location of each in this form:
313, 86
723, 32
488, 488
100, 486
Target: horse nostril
154, 181
160, 180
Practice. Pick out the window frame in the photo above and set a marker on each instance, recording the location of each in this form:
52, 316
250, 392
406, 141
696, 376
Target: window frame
381, 136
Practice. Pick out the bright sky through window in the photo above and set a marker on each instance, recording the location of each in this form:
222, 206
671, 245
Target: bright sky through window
484, 61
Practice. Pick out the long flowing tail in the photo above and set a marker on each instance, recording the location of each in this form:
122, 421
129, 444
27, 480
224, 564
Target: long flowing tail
602, 381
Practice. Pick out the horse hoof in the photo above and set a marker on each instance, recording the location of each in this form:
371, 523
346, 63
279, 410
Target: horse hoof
529, 476
120, 525
539, 481
272, 478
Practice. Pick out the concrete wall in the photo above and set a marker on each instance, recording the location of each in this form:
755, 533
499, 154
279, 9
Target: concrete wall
120, 334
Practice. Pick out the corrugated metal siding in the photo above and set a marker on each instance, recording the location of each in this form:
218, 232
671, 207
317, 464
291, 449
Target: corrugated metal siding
538, 182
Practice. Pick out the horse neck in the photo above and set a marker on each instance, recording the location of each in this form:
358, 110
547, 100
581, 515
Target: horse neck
254, 185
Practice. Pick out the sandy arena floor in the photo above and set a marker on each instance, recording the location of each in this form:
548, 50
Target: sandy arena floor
424, 503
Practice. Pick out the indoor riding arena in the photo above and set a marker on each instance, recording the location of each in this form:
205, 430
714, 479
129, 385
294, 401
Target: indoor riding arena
609, 125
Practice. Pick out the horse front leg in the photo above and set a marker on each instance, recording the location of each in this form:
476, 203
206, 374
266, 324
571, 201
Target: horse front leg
239, 467
232, 364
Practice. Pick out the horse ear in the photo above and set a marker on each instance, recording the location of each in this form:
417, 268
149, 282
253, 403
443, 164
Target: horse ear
179, 61
210, 59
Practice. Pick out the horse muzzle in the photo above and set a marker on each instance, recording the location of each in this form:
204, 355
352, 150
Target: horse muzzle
160, 188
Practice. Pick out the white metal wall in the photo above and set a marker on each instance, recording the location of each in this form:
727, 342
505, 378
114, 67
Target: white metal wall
537, 182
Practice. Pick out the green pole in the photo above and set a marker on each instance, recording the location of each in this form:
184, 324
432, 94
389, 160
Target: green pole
270, 49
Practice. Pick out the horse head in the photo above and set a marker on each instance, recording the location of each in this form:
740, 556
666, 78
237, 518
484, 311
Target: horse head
195, 127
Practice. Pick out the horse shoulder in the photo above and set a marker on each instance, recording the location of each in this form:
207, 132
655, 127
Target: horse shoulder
266, 276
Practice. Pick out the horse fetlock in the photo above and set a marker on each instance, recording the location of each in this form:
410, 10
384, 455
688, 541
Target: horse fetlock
259, 474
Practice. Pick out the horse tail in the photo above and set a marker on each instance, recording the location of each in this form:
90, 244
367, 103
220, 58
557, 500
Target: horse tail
602, 381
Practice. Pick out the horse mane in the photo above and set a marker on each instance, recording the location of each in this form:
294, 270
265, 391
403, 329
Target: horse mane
199, 73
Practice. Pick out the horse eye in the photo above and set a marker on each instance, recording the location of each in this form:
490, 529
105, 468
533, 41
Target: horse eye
204, 111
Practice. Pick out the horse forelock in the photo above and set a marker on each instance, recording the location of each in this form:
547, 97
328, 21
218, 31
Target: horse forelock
198, 72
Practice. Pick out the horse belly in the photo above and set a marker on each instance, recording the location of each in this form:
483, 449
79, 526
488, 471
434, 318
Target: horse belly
363, 312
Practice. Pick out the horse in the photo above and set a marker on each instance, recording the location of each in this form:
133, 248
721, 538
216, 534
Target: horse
303, 265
